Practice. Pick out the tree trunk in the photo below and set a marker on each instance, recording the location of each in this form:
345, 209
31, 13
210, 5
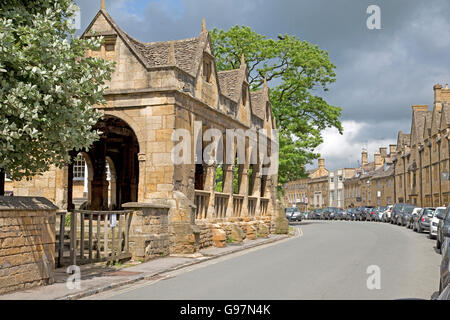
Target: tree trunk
2, 182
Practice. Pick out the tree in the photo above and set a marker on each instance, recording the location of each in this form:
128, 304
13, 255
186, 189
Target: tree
48, 86
297, 70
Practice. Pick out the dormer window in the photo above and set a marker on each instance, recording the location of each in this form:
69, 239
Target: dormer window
207, 69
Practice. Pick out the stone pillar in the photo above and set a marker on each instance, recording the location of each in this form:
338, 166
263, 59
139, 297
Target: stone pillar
228, 175
142, 181
243, 187
210, 178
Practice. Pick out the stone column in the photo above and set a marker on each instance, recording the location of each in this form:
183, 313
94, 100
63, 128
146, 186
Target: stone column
243, 188
210, 178
228, 175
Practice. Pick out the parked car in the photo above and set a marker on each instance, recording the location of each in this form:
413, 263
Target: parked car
317, 214
435, 222
371, 213
387, 214
293, 214
339, 214
380, 211
328, 213
396, 210
359, 214
403, 215
410, 218
445, 294
445, 249
422, 222
348, 214
444, 220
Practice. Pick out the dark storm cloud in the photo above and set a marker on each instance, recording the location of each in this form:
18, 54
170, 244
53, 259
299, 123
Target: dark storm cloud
380, 73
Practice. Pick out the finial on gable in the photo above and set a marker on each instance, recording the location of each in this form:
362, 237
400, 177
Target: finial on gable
203, 25
265, 83
242, 60
102, 5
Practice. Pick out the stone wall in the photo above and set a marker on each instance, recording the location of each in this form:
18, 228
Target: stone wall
149, 231
27, 242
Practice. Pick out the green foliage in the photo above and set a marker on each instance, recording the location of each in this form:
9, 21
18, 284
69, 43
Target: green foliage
47, 86
219, 179
230, 240
298, 70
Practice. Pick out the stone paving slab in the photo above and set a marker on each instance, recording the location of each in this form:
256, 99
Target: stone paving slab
99, 278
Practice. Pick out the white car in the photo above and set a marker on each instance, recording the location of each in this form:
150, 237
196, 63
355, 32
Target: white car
434, 223
386, 217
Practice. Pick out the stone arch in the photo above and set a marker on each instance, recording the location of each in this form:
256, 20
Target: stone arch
138, 131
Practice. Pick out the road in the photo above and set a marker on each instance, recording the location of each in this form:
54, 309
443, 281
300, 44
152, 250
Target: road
328, 260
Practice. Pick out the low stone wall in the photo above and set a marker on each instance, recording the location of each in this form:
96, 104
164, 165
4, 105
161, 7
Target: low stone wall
27, 242
149, 231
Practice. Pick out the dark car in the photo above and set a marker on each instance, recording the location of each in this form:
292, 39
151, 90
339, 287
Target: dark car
359, 214
328, 213
371, 214
396, 210
317, 214
445, 249
421, 222
405, 214
444, 221
293, 214
351, 214
339, 214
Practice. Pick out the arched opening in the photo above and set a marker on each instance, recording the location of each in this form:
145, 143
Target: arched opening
111, 168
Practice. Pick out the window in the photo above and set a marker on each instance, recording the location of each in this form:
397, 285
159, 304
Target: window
207, 69
79, 168
109, 47
331, 180
340, 178
389, 182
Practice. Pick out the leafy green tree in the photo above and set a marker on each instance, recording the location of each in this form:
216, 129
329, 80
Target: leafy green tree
298, 71
48, 86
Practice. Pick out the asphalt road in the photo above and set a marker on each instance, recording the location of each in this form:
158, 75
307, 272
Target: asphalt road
329, 260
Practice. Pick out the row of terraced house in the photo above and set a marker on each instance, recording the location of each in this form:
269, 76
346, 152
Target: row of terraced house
414, 170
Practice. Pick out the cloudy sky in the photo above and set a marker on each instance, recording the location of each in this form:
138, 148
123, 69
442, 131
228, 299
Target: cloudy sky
380, 73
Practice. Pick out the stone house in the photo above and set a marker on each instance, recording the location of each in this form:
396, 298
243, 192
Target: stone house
157, 89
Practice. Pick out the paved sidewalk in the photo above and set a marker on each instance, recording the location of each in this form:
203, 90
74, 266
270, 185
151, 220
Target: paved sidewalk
99, 278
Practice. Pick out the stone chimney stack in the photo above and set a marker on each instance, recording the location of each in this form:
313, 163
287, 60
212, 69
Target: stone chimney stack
377, 160
383, 152
321, 163
441, 96
392, 149
364, 157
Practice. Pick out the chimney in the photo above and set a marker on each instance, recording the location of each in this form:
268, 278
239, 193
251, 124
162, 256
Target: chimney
364, 157
321, 163
392, 149
383, 152
420, 108
377, 160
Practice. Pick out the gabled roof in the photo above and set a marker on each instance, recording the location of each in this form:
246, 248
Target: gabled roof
185, 54
230, 83
427, 127
417, 127
403, 139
